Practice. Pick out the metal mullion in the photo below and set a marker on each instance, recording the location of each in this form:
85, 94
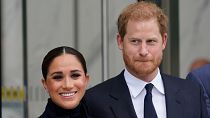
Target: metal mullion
25, 56
76, 28
105, 36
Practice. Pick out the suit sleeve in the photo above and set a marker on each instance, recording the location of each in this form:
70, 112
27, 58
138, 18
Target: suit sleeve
203, 105
204, 97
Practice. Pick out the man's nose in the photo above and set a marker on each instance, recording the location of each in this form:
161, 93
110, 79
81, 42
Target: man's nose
143, 51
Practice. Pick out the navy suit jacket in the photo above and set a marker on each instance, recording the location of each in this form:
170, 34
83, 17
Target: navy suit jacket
202, 76
111, 99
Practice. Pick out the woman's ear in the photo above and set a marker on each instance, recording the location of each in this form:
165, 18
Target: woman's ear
44, 84
87, 78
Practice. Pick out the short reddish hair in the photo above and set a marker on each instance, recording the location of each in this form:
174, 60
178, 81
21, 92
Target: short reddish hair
142, 11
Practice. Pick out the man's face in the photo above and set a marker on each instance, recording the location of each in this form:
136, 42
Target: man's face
142, 48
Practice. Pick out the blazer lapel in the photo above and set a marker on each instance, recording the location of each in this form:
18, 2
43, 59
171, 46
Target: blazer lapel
173, 97
122, 106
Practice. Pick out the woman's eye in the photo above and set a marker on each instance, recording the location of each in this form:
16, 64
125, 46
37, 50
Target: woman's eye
57, 77
75, 75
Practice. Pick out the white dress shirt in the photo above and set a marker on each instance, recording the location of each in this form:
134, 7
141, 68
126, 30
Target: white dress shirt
138, 92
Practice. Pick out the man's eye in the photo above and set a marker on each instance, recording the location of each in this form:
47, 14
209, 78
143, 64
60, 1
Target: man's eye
151, 41
134, 41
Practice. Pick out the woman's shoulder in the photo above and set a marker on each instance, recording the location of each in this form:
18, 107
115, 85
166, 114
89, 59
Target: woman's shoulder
52, 111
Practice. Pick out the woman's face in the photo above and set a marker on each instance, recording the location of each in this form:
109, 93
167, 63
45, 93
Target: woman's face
66, 81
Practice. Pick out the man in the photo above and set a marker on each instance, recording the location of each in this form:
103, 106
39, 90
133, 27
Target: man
140, 90
197, 63
202, 76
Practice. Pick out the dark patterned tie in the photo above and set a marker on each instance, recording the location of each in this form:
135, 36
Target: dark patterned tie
149, 110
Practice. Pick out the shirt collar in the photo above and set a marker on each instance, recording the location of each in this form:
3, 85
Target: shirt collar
137, 85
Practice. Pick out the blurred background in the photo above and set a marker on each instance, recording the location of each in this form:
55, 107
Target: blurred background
30, 28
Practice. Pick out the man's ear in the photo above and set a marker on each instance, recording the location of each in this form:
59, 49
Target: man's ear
164, 39
119, 41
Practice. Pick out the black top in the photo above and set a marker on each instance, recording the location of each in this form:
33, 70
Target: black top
54, 111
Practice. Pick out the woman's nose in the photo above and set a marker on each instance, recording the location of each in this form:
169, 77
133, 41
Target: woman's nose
67, 83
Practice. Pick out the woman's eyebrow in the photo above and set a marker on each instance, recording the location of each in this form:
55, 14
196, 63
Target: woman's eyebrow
55, 73
73, 71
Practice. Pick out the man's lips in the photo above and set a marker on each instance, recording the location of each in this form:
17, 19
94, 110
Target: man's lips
143, 60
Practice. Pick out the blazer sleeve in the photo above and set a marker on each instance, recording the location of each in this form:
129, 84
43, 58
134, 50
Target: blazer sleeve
205, 102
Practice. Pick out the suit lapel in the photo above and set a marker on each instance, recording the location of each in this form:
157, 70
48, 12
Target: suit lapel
173, 97
122, 106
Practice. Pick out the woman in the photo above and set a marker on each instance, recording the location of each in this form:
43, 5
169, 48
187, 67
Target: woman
65, 79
